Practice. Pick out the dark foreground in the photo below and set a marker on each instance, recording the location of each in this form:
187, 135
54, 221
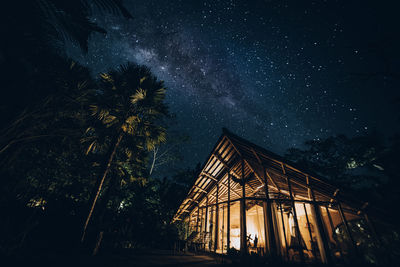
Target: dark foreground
123, 259
131, 258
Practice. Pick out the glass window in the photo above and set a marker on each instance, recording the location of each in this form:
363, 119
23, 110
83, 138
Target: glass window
255, 226
235, 226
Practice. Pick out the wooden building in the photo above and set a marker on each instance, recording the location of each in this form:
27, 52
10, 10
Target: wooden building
249, 200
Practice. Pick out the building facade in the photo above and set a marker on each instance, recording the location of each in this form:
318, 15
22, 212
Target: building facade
247, 200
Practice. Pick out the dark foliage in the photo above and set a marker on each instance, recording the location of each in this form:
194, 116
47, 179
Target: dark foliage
366, 164
49, 161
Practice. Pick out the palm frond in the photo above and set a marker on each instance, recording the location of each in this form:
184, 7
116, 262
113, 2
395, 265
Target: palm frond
107, 77
142, 79
71, 19
109, 120
91, 147
138, 96
113, 6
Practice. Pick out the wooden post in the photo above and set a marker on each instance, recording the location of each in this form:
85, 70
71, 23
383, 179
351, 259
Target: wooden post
187, 228
347, 228
309, 231
268, 224
275, 227
216, 220
228, 223
323, 245
198, 218
333, 229
372, 229
210, 230
243, 229
296, 222
284, 231
384, 254
201, 225
330, 219
223, 224
205, 224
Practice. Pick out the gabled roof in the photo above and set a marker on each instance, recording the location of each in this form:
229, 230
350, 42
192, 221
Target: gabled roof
226, 157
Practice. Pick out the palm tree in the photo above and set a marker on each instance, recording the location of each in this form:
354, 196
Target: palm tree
35, 31
129, 105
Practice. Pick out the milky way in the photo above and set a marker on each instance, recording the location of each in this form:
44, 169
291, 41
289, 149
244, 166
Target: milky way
276, 72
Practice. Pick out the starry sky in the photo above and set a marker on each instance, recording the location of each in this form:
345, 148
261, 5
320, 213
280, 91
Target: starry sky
275, 72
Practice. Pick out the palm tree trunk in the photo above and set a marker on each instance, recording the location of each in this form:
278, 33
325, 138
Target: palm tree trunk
155, 150
102, 209
106, 171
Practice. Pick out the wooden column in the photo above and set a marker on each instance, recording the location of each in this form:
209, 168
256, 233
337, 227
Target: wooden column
187, 228
206, 224
201, 224
228, 219
323, 245
296, 222
347, 229
275, 227
243, 229
372, 229
333, 229
284, 231
384, 254
210, 230
268, 224
310, 233
198, 218
223, 228
216, 230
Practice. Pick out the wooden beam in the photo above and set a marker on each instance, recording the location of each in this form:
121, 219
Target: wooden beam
240, 154
220, 159
218, 182
237, 150
255, 173
230, 169
256, 155
206, 220
201, 189
208, 176
322, 241
272, 181
216, 226
284, 231
310, 233
268, 220
237, 194
296, 222
347, 228
283, 168
258, 159
228, 219
334, 196
191, 199
243, 228
247, 163
260, 162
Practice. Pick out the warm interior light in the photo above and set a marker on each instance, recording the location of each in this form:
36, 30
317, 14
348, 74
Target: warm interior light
235, 238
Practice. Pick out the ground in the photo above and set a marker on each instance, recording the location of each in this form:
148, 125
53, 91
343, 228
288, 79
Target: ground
124, 259
167, 258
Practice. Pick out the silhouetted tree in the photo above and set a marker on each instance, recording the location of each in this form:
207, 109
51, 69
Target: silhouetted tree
128, 106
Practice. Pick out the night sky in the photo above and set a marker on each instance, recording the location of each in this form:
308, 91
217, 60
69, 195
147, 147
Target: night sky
277, 73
